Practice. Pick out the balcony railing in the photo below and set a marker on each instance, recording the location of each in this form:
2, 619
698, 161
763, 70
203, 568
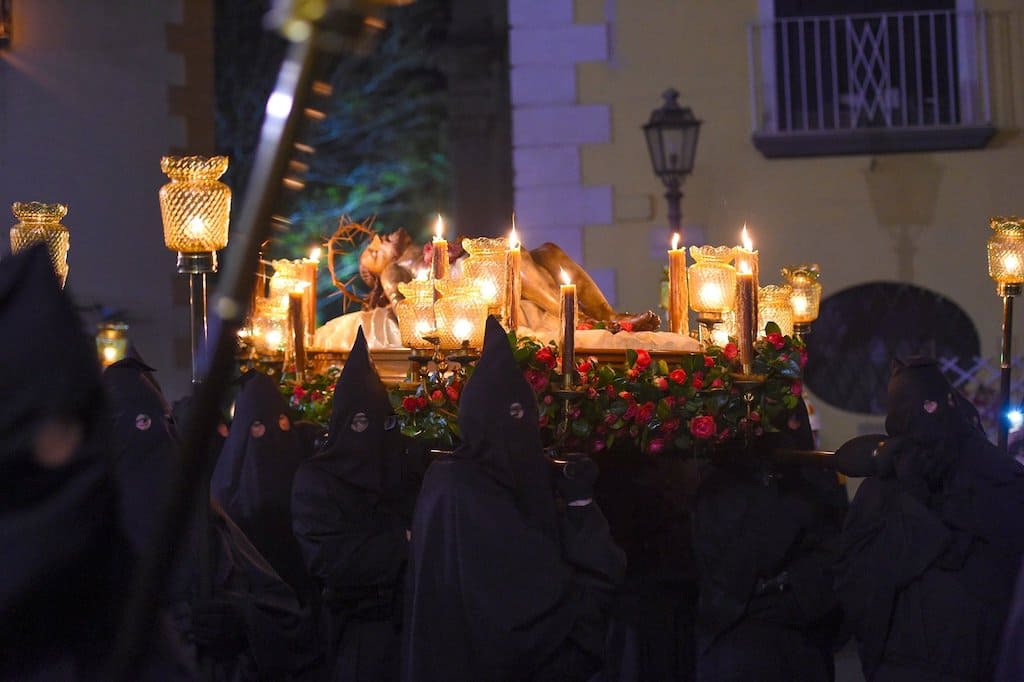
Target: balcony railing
869, 83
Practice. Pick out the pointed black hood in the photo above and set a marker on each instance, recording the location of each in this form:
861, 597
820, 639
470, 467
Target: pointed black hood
49, 365
500, 426
364, 444
921, 402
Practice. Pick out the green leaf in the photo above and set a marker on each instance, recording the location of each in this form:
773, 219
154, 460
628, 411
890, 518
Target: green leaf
618, 407
661, 367
581, 428
772, 328
630, 357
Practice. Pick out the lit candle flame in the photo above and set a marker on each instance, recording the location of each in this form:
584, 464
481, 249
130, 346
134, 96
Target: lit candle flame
421, 274
720, 336
462, 329
314, 254
110, 354
196, 227
1011, 263
744, 267
711, 296
513, 236
564, 275
800, 304
675, 241
745, 238
439, 228
273, 337
488, 290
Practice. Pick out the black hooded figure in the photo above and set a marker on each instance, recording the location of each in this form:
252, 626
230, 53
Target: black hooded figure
254, 474
352, 508
66, 565
766, 534
253, 626
933, 540
501, 585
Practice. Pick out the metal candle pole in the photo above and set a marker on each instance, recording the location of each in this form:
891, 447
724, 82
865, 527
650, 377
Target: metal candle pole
1007, 292
197, 266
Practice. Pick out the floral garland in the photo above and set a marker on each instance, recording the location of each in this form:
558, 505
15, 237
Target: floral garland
642, 404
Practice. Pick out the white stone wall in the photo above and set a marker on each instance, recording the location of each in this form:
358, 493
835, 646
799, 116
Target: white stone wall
550, 127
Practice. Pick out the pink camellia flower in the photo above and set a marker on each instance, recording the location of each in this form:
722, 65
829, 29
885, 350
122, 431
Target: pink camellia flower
409, 404
631, 412
645, 412
299, 392
797, 388
670, 426
643, 359
315, 395
776, 339
655, 445
677, 375
584, 367
633, 373
421, 403
625, 395
709, 361
591, 393
730, 351
698, 381
437, 396
453, 392
703, 427
661, 383
538, 380
670, 401
548, 399
717, 383
755, 416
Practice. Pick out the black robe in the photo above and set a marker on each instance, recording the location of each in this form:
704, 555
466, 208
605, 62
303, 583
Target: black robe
254, 474
351, 511
500, 585
929, 561
766, 536
66, 565
277, 634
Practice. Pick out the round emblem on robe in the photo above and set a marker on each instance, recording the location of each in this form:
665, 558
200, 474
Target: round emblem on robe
143, 422
257, 429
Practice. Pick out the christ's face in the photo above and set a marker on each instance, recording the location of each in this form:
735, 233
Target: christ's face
378, 254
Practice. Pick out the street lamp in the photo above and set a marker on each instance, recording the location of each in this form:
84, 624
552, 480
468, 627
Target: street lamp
671, 136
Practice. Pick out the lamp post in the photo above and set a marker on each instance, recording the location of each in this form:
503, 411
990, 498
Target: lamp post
1006, 267
671, 136
195, 207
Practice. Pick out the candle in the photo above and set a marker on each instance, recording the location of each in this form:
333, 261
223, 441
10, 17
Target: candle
439, 263
514, 288
678, 320
298, 331
567, 324
747, 254
308, 272
746, 294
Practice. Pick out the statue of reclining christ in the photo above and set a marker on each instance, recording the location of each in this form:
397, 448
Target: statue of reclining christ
394, 258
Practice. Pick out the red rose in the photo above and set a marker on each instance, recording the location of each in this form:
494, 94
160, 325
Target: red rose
717, 383
546, 356
591, 393
670, 426
643, 359
655, 445
677, 375
703, 427
409, 404
730, 351
709, 361
797, 388
331, 388
584, 367
299, 392
437, 396
633, 373
698, 381
645, 412
315, 396
661, 383
421, 403
631, 412
670, 401
625, 395
776, 339
453, 393
755, 416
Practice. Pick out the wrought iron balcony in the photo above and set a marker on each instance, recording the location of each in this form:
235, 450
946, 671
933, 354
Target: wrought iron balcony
870, 83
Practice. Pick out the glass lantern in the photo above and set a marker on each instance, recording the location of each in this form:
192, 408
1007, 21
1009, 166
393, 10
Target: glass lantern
415, 321
111, 342
39, 222
195, 206
270, 325
712, 282
806, 299
287, 277
774, 304
487, 268
1006, 254
461, 315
